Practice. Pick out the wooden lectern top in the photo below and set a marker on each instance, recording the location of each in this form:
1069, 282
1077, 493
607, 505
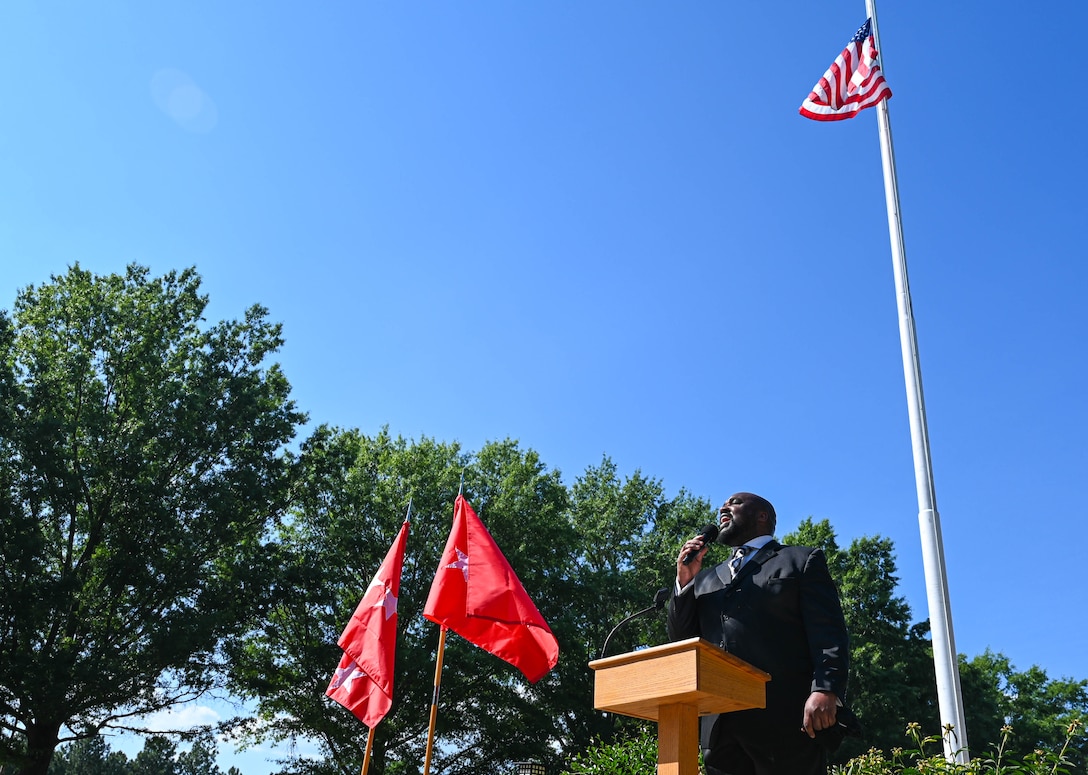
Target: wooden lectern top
688, 672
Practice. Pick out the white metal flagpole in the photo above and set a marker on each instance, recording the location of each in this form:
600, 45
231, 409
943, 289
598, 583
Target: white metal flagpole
949, 694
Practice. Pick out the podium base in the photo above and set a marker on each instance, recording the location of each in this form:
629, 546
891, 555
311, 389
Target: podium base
678, 740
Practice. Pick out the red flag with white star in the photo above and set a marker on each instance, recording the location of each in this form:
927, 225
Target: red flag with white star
363, 682
476, 594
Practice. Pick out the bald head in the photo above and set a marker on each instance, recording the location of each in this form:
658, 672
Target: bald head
744, 516
765, 505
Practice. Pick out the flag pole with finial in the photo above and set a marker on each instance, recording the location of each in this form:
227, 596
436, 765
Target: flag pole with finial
946, 663
438, 674
370, 734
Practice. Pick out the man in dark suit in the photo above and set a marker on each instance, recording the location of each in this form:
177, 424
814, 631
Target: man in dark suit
778, 610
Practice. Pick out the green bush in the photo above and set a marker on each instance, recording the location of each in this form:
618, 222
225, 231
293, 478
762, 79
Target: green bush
636, 754
927, 757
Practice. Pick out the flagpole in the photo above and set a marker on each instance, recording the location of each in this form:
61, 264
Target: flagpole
434, 700
369, 748
949, 694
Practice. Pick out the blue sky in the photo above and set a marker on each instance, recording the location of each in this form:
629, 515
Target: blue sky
602, 228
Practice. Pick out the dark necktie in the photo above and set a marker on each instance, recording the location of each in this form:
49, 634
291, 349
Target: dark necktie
738, 559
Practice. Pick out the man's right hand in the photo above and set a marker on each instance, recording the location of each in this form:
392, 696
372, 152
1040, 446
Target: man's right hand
685, 573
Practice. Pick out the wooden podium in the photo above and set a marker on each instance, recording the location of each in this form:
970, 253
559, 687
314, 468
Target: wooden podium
674, 684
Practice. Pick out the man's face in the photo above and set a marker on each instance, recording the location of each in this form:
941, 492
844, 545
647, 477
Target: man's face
739, 519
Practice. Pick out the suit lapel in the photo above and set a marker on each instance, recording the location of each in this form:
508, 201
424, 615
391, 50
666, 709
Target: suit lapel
713, 580
769, 550
719, 577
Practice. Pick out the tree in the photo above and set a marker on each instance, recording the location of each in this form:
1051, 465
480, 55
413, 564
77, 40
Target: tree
141, 461
891, 672
576, 556
351, 496
892, 682
629, 533
89, 756
157, 757
1037, 710
199, 759
588, 555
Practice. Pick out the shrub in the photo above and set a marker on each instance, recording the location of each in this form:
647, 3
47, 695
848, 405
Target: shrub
927, 757
636, 754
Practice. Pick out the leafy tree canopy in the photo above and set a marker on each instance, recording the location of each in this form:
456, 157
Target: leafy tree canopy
578, 552
141, 462
154, 531
159, 756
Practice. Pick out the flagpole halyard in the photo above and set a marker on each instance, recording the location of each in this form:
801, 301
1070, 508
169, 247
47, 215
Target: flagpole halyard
434, 700
949, 694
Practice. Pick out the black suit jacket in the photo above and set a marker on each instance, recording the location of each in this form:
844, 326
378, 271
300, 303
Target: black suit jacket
782, 614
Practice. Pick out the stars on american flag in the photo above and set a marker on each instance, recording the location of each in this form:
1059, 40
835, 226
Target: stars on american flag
852, 83
863, 33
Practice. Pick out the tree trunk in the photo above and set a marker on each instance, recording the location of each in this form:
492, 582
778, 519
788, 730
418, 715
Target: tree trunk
41, 741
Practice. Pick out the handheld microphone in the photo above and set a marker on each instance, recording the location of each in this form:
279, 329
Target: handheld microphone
660, 598
709, 533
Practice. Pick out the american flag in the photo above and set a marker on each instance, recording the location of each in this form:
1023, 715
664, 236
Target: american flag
851, 84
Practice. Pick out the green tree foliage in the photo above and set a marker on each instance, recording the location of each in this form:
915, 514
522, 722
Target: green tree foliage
89, 756
891, 674
141, 460
198, 760
1030, 719
351, 498
628, 534
633, 753
159, 756
575, 554
892, 681
1029, 709
142, 480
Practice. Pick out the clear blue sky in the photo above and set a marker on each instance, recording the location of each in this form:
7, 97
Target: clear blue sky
602, 228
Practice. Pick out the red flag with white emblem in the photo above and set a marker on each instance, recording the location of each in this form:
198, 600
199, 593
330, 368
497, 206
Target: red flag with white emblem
363, 682
476, 594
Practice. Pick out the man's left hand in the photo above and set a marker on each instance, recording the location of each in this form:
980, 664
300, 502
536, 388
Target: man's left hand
821, 708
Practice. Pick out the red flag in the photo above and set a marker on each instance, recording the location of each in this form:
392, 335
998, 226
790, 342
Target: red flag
363, 682
476, 594
851, 84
